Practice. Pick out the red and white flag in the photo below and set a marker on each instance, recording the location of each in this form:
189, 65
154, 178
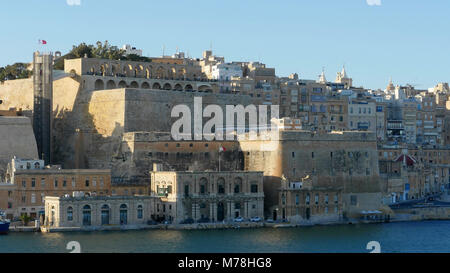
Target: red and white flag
222, 149
42, 42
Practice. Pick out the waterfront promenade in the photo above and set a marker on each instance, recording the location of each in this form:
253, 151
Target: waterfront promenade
400, 237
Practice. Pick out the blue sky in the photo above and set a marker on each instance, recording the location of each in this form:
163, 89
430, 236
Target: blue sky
406, 39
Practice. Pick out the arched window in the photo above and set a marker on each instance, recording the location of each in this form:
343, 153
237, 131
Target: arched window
86, 215
140, 212
69, 214
237, 185
123, 214
37, 165
203, 185
221, 186
105, 214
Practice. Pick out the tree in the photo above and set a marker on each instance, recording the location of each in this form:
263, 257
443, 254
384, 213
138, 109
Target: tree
100, 50
25, 219
80, 51
15, 71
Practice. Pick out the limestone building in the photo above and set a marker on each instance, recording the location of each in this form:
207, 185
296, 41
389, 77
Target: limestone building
16, 139
340, 162
95, 212
208, 196
28, 181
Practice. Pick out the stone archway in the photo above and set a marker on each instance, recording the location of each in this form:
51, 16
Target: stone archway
99, 85
204, 88
122, 84
156, 85
110, 84
178, 87
134, 84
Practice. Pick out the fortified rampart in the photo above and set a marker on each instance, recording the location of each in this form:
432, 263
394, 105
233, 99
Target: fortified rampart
16, 139
345, 161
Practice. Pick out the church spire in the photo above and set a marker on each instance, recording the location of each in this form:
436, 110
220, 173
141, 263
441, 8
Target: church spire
322, 78
344, 73
390, 86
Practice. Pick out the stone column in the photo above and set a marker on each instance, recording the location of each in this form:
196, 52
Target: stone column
194, 214
245, 214
211, 211
196, 211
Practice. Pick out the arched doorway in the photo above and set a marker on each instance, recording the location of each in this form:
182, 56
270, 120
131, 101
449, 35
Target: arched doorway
123, 214
86, 215
105, 215
220, 212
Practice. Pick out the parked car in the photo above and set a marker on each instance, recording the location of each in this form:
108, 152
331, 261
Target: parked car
255, 219
151, 222
187, 221
239, 219
269, 221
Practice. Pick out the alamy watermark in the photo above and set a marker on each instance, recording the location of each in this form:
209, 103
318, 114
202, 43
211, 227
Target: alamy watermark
236, 127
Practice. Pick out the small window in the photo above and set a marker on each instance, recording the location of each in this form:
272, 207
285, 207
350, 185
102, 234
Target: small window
353, 200
69, 214
140, 212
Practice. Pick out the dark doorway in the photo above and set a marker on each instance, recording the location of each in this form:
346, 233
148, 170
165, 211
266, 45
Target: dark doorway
308, 213
220, 212
274, 215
